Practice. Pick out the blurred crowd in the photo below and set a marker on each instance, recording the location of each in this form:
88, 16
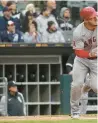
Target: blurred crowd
29, 26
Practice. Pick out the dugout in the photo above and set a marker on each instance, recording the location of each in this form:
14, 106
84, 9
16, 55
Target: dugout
36, 68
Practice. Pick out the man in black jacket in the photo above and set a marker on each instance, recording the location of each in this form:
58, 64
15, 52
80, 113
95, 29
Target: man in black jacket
16, 106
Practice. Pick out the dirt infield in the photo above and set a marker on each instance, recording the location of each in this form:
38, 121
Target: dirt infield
59, 117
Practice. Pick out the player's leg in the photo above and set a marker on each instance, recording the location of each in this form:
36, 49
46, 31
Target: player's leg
93, 75
84, 97
79, 74
91, 82
84, 101
86, 88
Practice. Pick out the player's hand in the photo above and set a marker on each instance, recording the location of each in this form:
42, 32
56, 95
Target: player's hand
93, 53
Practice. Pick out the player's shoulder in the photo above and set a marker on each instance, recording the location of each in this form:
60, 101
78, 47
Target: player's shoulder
78, 28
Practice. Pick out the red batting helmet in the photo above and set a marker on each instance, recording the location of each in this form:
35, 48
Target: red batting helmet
88, 12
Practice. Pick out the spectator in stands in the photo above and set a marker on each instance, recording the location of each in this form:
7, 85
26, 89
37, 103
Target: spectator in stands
32, 36
5, 18
27, 21
14, 13
11, 34
43, 18
52, 34
51, 5
65, 24
30, 8
64, 20
16, 104
2, 5
13, 8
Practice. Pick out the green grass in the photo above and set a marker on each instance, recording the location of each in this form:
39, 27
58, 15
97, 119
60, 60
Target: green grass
64, 121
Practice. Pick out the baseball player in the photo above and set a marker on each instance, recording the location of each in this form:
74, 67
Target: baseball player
69, 70
85, 47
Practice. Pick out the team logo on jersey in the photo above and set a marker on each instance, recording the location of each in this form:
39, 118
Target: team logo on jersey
88, 44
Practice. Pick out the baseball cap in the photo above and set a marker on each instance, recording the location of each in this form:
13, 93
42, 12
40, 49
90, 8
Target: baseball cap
5, 9
88, 12
50, 23
10, 22
11, 84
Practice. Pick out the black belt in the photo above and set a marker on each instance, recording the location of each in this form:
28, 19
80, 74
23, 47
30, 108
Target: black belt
92, 58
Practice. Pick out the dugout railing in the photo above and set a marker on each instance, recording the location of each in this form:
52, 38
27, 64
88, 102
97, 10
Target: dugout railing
3, 92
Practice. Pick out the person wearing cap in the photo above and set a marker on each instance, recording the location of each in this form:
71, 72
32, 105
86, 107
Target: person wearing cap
16, 103
52, 34
6, 17
11, 34
85, 47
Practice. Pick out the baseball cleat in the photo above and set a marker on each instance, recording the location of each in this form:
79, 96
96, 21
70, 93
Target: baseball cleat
75, 116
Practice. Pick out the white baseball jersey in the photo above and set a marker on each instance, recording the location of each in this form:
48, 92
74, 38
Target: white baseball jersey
84, 39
